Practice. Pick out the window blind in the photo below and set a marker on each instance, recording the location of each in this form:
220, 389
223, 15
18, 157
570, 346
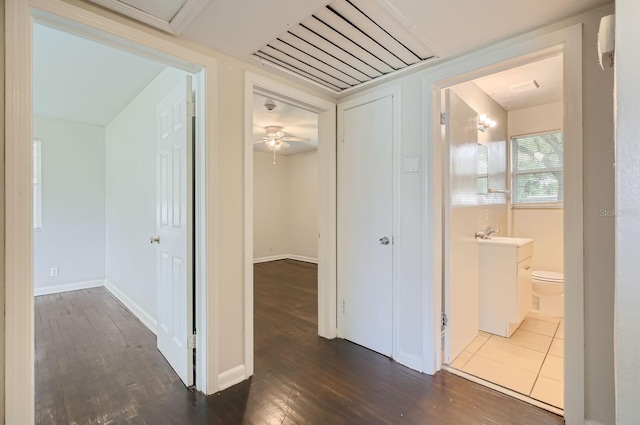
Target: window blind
536, 167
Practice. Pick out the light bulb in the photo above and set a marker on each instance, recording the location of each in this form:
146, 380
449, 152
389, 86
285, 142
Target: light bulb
483, 117
272, 143
493, 124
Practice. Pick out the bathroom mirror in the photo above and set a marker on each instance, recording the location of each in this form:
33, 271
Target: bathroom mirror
483, 169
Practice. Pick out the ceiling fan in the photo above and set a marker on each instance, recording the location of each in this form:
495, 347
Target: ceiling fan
276, 139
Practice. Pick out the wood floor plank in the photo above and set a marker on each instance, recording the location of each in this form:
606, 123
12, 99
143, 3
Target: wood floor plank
97, 364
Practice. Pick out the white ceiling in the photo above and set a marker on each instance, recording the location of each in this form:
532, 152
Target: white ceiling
76, 79
295, 122
547, 73
239, 28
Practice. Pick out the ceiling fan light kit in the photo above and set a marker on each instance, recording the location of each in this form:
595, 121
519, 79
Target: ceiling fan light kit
276, 139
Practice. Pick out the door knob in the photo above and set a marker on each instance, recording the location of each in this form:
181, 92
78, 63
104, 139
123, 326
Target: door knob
384, 240
154, 239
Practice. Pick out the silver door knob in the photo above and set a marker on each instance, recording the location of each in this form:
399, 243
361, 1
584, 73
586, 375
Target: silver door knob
384, 240
154, 239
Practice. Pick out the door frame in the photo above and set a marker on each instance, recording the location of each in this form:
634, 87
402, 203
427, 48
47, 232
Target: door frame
394, 91
326, 111
19, 314
505, 55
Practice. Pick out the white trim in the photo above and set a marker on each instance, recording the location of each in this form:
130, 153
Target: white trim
591, 422
19, 327
302, 258
66, 287
176, 25
504, 55
504, 390
326, 111
231, 377
285, 257
270, 258
394, 91
148, 320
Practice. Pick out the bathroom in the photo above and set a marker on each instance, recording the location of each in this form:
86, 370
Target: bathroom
503, 285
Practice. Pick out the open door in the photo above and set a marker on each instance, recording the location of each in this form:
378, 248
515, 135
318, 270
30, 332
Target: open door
460, 246
175, 230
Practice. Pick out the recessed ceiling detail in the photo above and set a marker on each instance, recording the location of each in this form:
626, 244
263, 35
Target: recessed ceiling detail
344, 44
171, 16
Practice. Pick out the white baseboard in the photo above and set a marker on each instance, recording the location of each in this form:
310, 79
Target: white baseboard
301, 258
271, 258
138, 311
66, 287
285, 257
590, 422
231, 377
409, 360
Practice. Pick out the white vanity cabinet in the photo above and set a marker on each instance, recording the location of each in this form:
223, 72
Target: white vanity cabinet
504, 280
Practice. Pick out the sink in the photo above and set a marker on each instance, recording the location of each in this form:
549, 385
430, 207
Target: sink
505, 241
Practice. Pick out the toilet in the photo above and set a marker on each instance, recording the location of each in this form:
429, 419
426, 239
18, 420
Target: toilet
548, 293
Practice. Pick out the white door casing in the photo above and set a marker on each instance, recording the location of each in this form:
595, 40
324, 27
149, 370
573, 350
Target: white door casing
366, 200
175, 229
460, 246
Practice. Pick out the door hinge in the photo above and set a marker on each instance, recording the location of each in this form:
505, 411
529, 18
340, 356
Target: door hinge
444, 319
191, 342
191, 109
343, 307
443, 119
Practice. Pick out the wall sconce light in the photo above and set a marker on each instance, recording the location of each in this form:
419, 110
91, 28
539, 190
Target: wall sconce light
484, 122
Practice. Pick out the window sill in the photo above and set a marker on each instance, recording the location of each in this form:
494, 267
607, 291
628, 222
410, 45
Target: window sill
537, 206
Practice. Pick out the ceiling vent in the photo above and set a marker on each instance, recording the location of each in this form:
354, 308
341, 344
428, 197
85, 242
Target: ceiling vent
345, 44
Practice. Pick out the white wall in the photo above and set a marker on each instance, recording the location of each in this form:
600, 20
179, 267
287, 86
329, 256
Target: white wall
544, 226
492, 208
285, 216
303, 204
73, 215
270, 201
131, 194
627, 333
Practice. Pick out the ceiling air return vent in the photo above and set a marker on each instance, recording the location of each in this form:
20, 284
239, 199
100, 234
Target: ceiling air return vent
346, 43
171, 16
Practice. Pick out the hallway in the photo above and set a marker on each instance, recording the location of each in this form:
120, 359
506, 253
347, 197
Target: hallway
96, 363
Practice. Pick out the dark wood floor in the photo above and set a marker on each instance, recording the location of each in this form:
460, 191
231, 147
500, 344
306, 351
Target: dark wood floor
96, 364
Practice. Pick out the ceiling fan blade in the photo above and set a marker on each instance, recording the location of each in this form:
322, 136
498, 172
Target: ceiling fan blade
295, 139
286, 145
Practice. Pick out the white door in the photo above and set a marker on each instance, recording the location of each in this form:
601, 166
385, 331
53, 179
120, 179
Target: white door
461, 248
366, 223
174, 229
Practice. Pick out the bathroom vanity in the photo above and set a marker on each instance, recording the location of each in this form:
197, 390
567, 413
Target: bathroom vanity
504, 280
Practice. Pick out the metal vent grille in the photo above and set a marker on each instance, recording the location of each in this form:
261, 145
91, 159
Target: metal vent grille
344, 44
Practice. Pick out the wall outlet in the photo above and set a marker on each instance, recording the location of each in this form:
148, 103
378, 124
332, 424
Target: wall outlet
270, 249
486, 215
54, 272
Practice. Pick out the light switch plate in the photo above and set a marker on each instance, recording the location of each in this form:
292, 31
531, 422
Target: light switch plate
411, 164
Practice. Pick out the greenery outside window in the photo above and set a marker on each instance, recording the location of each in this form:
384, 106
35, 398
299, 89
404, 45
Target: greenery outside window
536, 170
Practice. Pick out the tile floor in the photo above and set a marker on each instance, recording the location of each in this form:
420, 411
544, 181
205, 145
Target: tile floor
531, 362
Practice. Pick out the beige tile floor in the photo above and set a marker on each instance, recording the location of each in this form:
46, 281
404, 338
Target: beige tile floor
531, 362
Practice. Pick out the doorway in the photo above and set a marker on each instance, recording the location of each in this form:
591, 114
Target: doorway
110, 177
263, 94
19, 258
504, 231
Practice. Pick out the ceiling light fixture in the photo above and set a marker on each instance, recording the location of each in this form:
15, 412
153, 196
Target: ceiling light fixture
484, 122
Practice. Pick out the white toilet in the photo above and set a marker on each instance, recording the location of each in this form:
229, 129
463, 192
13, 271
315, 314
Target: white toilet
548, 293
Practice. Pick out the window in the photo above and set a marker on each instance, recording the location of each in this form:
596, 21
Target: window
37, 185
536, 169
